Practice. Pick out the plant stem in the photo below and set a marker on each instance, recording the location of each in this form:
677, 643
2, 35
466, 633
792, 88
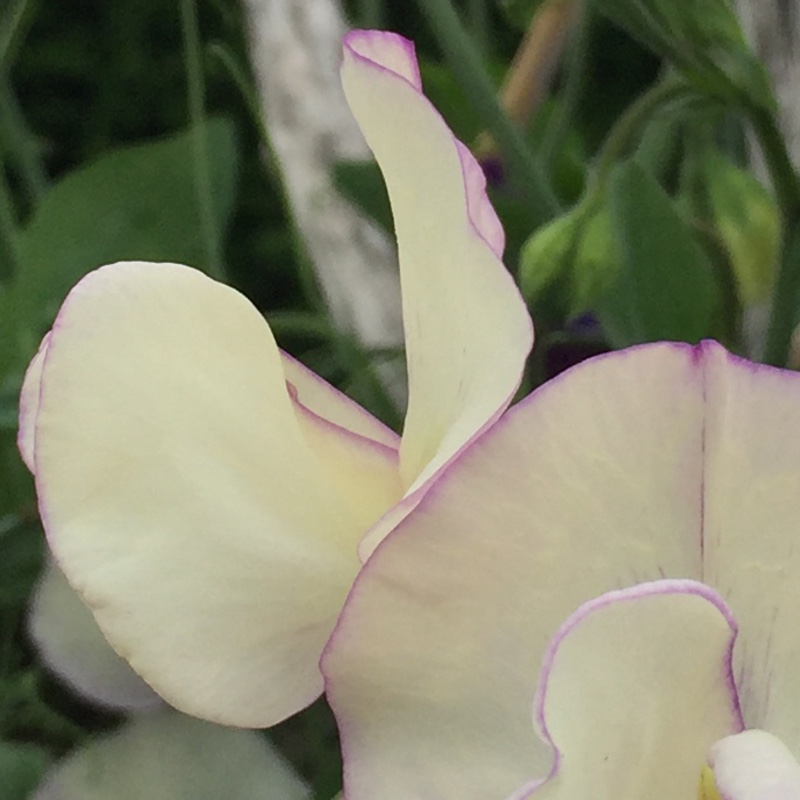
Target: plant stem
469, 71
202, 173
19, 142
630, 124
786, 293
10, 27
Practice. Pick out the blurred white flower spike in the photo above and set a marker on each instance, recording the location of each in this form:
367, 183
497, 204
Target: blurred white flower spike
630, 533
169, 756
209, 498
69, 642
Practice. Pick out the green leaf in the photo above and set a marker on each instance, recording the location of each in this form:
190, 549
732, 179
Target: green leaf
361, 182
21, 769
666, 288
138, 202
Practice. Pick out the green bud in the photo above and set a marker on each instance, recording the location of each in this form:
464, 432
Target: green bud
547, 253
747, 221
596, 262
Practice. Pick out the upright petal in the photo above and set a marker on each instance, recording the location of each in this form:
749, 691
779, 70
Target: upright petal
592, 483
169, 756
467, 330
751, 529
184, 500
71, 644
636, 686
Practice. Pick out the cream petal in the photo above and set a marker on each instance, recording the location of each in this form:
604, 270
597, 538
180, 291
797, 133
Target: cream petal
751, 527
754, 765
70, 643
590, 484
29, 405
635, 688
182, 498
317, 396
467, 329
170, 756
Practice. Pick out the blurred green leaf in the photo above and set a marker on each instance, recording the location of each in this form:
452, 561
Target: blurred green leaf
361, 182
21, 769
21, 553
136, 202
520, 12
665, 288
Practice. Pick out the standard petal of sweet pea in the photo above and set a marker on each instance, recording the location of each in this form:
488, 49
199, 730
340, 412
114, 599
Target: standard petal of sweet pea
592, 483
183, 499
754, 765
751, 528
635, 688
467, 330
70, 643
169, 756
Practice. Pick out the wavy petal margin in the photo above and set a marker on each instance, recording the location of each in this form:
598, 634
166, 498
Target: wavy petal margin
661, 461
467, 330
635, 688
591, 483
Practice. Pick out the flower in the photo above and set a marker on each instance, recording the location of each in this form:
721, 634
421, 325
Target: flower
655, 490
167, 756
209, 497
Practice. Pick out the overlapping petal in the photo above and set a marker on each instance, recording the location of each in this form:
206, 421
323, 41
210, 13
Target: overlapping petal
467, 329
203, 492
636, 687
168, 756
70, 643
183, 499
663, 461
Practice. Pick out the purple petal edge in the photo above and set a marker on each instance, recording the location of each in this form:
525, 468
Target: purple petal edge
649, 589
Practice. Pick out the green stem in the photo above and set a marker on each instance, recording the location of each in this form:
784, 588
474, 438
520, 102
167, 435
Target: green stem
478, 15
9, 233
19, 142
575, 73
202, 172
372, 13
469, 71
786, 293
630, 124
10, 29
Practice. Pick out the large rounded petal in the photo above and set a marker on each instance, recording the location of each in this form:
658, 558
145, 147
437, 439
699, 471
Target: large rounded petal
70, 643
467, 330
636, 687
183, 495
592, 483
752, 530
170, 756
754, 765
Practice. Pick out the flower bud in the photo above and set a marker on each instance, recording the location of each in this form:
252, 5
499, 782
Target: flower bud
747, 222
547, 253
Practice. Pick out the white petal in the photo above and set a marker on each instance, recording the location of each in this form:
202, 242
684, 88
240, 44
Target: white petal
592, 483
169, 756
635, 688
29, 406
751, 527
467, 329
754, 765
186, 503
